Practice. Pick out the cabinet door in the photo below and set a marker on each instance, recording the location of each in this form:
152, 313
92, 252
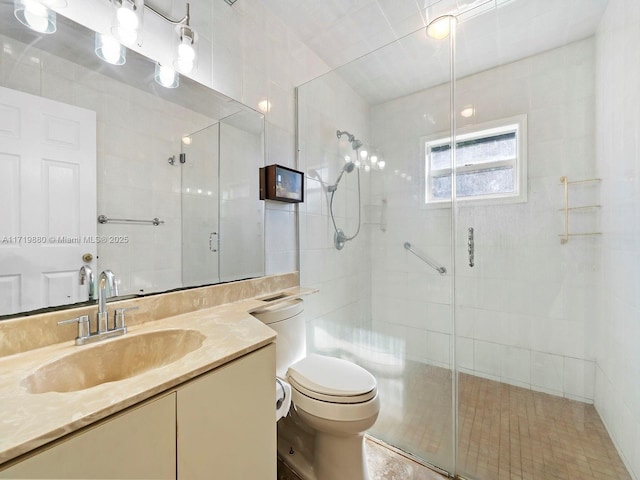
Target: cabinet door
137, 444
227, 421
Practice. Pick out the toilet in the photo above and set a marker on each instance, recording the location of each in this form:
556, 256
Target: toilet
333, 402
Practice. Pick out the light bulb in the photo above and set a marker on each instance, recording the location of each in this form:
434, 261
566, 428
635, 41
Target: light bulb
185, 59
186, 51
363, 153
439, 28
166, 76
128, 21
367, 168
36, 15
186, 56
468, 111
109, 49
264, 105
127, 18
186, 140
374, 159
347, 159
381, 164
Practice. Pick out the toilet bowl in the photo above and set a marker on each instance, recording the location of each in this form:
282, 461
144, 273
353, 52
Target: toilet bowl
338, 401
333, 403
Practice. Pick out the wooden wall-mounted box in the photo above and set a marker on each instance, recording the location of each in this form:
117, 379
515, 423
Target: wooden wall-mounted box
282, 184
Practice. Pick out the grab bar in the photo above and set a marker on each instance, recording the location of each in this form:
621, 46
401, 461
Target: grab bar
441, 270
103, 219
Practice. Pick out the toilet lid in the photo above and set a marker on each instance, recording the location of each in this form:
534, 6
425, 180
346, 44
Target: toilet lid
330, 376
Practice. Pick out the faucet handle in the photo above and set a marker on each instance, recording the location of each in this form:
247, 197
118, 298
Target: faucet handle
83, 325
119, 319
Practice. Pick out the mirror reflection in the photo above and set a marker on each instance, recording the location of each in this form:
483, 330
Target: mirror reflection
173, 171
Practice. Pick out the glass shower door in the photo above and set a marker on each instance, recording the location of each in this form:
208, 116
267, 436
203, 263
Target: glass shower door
526, 299
200, 206
380, 304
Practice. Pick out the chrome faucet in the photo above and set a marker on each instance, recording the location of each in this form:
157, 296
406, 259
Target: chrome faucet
107, 287
87, 274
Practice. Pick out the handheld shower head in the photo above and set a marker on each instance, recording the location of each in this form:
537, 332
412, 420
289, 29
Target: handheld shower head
348, 167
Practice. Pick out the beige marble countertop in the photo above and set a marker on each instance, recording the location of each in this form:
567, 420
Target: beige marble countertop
29, 421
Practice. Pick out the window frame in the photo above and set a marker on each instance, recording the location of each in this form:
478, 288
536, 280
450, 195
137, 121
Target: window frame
485, 129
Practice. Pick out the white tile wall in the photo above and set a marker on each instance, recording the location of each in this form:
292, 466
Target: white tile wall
342, 307
617, 369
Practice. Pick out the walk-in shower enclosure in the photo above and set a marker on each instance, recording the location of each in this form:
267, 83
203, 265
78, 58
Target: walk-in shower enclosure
528, 341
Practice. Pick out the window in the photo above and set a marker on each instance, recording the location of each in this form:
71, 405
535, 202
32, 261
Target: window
490, 163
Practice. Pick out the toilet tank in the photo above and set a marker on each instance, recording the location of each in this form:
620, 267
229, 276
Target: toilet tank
287, 319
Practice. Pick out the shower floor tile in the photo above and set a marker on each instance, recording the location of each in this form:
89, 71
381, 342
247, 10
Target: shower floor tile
505, 432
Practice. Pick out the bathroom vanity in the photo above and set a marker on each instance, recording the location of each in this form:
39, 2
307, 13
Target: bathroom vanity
209, 411
225, 418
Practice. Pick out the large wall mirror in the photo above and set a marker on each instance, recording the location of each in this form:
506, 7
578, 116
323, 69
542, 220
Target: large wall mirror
172, 174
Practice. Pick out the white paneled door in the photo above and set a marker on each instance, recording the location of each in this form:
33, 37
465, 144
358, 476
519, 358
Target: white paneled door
47, 200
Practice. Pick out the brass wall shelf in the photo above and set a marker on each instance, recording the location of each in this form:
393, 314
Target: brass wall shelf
566, 235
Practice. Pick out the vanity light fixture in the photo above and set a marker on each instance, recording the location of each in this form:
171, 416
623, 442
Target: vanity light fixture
166, 76
185, 58
37, 14
110, 50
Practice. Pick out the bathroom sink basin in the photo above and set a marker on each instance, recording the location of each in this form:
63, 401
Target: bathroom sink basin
113, 360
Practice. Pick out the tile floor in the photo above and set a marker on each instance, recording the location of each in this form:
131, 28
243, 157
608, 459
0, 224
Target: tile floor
506, 432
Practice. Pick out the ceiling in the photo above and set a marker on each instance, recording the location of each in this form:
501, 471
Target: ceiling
372, 43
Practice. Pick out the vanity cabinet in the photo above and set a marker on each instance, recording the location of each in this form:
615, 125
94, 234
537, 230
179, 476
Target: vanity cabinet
138, 443
218, 425
227, 421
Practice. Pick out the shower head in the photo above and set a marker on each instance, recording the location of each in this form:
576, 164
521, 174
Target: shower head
348, 167
339, 134
355, 143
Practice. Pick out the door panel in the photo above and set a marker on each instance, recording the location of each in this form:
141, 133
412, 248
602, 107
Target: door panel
48, 193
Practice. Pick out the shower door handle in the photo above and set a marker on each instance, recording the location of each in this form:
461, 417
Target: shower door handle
214, 242
471, 247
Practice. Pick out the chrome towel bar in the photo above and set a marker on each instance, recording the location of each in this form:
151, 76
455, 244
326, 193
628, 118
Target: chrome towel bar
441, 270
103, 219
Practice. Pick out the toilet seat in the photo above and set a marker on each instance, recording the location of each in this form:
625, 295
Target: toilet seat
332, 380
331, 398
